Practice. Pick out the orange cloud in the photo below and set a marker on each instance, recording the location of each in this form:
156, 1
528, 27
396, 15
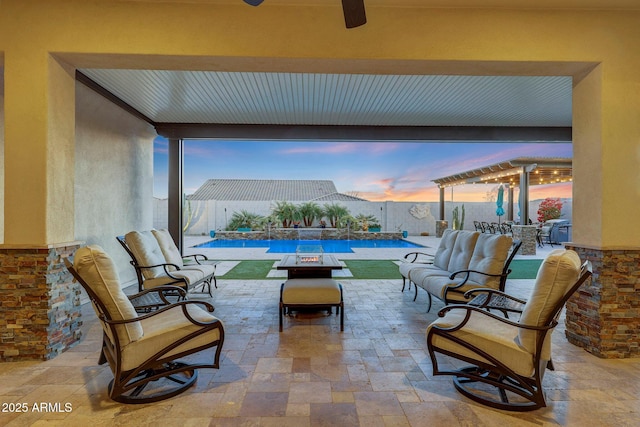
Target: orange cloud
462, 193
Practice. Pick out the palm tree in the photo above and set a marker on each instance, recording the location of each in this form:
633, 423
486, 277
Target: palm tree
334, 212
286, 212
244, 219
365, 221
310, 211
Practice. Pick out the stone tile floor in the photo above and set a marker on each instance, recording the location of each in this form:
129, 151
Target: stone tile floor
376, 373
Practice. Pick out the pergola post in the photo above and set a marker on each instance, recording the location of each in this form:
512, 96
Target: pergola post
441, 203
524, 193
176, 162
510, 198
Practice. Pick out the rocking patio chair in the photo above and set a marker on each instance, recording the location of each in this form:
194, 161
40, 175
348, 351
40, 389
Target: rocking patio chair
142, 349
508, 358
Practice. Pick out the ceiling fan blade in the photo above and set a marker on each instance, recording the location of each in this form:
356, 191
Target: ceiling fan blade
253, 2
354, 14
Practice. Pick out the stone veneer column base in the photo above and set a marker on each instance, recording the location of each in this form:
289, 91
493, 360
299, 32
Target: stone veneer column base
527, 235
440, 227
40, 314
603, 316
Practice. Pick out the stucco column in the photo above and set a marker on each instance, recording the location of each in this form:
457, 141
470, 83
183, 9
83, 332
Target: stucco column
39, 149
39, 303
604, 315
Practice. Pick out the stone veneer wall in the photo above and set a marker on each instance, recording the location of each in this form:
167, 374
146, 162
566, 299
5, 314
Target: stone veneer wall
39, 303
527, 235
603, 316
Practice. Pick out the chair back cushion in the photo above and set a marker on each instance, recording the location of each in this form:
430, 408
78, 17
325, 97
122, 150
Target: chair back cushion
445, 248
168, 247
146, 249
100, 274
489, 255
462, 250
557, 274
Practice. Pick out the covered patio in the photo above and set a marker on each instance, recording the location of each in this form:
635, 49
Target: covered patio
78, 169
376, 372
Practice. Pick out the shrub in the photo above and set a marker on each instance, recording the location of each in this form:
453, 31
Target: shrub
244, 219
549, 209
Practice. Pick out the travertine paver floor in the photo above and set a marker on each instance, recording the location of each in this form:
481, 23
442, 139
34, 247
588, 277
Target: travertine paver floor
376, 373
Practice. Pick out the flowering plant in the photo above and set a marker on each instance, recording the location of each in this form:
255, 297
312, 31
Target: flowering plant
549, 209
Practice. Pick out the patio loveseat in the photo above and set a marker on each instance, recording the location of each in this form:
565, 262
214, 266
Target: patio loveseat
464, 260
158, 262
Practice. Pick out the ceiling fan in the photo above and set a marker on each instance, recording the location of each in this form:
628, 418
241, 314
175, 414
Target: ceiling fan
354, 14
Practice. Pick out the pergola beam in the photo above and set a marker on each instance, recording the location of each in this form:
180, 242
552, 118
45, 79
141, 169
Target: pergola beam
365, 133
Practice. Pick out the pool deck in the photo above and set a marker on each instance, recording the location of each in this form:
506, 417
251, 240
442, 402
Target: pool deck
430, 242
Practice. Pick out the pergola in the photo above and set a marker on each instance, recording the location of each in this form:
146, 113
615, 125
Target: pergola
520, 172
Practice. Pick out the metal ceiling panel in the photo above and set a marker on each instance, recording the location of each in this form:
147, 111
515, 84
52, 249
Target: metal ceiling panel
340, 99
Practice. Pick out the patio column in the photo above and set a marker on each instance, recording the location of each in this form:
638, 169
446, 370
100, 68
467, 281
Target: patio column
603, 317
39, 303
510, 210
441, 225
524, 194
176, 192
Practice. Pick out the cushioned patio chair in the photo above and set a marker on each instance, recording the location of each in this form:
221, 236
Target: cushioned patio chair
142, 350
483, 264
157, 262
508, 358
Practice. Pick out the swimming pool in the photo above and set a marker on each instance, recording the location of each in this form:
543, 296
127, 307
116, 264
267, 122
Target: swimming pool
289, 246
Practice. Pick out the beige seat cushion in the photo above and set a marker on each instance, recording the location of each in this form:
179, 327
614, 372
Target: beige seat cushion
557, 274
191, 276
101, 275
462, 250
445, 248
489, 335
311, 291
437, 284
418, 275
406, 267
489, 256
147, 251
166, 328
168, 247
204, 269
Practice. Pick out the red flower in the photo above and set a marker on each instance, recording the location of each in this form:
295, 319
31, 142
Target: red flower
549, 209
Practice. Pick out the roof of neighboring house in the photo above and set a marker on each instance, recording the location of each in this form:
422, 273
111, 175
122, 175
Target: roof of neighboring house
270, 189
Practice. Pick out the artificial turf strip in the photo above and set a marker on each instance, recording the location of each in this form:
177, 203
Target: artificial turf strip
373, 269
249, 270
367, 269
524, 268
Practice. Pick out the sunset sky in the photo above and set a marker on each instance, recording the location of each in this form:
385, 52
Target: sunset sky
376, 171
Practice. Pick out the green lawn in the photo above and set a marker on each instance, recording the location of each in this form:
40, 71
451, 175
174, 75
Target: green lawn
524, 268
373, 269
367, 269
249, 270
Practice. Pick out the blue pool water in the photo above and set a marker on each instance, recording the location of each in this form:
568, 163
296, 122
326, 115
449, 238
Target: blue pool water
289, 246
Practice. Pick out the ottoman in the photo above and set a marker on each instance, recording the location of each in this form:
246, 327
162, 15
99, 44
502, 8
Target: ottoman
311, 294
